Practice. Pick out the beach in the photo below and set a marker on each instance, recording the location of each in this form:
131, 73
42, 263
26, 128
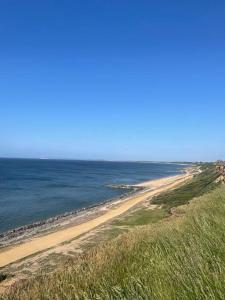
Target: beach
35, 191
90, 220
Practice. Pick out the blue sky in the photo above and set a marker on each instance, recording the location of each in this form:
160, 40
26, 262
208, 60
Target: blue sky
120, 80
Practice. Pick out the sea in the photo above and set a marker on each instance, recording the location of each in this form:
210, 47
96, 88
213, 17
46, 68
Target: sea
36, 189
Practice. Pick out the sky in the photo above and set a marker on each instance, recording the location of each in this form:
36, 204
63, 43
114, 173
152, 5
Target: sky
114, 80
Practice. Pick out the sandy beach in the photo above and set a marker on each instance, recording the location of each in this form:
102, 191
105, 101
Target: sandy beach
36, 244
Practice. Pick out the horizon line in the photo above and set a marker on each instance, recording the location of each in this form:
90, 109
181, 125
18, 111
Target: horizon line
105, 160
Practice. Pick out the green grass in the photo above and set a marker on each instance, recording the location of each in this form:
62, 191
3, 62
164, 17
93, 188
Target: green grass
199, 185
142, 216
178, 258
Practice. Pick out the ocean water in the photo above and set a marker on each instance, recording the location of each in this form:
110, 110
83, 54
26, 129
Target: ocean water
33, 189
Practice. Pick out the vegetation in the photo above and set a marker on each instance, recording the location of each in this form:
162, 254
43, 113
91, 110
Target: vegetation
177, 258
200, 184
140, 217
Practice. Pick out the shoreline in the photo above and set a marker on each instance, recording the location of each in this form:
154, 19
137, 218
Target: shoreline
35, 243
16, 234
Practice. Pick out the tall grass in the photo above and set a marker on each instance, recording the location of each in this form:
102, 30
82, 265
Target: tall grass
179, 258
199, 185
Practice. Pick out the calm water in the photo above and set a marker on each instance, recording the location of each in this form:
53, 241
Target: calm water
31, 190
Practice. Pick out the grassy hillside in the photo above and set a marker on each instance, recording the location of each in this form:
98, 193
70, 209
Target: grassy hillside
200, 184
177, 258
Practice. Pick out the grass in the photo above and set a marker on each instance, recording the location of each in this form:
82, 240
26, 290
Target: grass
199, 185
141, 217
177, 258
